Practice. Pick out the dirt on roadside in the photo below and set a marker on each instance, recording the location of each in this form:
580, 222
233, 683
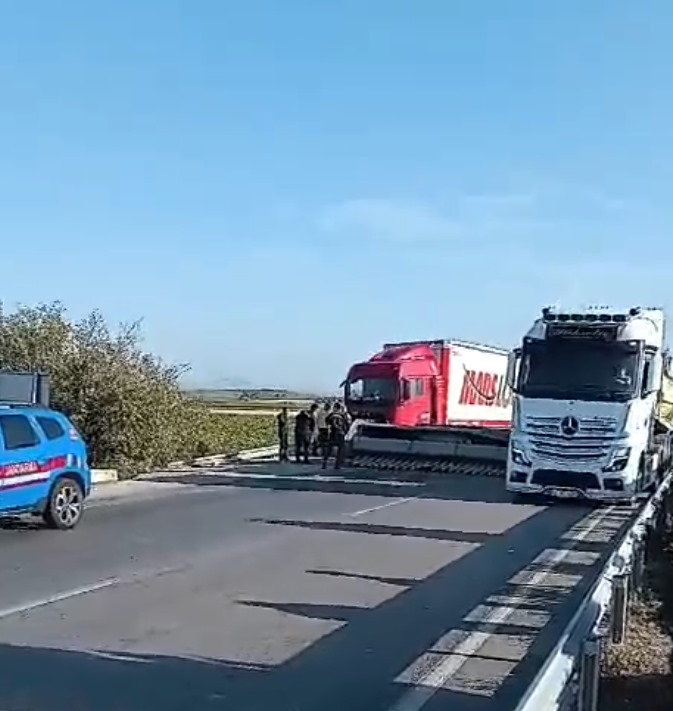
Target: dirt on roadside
639, 674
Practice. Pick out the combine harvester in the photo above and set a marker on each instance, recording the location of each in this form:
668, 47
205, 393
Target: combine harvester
431, 406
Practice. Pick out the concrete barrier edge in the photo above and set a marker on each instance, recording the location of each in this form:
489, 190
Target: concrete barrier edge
104, 476
109, 476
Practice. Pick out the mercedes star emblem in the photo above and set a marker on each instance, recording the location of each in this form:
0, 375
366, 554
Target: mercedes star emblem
569, 425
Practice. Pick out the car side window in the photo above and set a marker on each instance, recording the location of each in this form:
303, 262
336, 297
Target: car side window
419, 388
17, 432
52, 428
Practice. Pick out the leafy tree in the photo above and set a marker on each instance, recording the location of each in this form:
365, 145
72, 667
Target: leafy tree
127, 403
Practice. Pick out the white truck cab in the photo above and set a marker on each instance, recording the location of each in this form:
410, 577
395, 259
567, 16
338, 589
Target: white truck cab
587, 407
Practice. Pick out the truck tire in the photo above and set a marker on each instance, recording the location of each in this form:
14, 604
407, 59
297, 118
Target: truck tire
65, 505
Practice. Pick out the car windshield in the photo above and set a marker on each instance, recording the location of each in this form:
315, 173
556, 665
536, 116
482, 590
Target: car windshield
579, 370
371, 390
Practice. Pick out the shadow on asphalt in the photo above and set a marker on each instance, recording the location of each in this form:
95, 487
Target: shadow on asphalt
18, 523
383, 530
354, 667
274, 476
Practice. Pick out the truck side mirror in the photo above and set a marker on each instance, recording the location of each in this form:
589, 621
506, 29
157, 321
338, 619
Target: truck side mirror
405, 390
513, 361
654, 374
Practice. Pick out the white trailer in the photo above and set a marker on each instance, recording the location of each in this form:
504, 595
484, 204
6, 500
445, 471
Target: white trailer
477, 392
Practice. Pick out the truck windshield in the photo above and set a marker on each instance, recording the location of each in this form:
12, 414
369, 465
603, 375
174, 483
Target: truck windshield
579, 370
371, 390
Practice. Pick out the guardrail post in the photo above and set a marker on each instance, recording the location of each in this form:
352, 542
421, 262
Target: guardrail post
620, 606
590, 672
666, 510
638, 566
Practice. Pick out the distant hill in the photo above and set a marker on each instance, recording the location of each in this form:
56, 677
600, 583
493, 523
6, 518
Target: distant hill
251, 394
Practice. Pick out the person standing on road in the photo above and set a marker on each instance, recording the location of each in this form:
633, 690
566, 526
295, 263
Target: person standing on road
302, 435
338, 427
313, 412
347, 416
283, 435
323, 429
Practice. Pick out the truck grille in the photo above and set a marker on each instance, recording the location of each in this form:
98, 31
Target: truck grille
589, 426
593, 440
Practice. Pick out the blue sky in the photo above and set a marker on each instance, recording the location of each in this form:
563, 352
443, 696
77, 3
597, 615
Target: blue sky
279, 187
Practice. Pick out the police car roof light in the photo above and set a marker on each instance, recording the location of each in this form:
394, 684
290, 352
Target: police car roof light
21, 389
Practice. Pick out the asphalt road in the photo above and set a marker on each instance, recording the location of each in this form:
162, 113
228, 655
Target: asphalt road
260, 588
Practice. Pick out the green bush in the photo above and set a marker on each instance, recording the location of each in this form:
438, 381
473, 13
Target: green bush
127, 404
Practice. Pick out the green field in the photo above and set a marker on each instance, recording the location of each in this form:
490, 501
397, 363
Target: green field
259, 394
229, 433
257, 406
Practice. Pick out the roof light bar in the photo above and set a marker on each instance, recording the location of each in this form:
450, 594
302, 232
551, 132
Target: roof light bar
592, 314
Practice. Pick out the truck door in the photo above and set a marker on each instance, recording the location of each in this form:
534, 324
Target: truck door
24, 475
434, 404
417, 409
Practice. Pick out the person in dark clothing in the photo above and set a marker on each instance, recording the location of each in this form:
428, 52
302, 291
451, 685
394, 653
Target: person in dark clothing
283, 435
302, 435
337, 423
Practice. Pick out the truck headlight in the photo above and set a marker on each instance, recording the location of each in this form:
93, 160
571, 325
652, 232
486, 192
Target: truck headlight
519, 455
618, 459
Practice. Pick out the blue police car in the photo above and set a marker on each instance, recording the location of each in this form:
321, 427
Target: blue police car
43, 460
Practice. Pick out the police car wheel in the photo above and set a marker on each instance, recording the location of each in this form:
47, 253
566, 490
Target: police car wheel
66, 504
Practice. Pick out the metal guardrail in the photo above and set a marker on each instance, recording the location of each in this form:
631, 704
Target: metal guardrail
570, 676
429, 449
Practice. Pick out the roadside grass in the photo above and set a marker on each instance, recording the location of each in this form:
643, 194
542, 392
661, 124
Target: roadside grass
229, 433
639, 673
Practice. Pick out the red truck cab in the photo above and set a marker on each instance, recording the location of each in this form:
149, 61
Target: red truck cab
402, 385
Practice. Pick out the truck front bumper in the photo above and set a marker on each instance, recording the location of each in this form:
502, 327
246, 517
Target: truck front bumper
561, 492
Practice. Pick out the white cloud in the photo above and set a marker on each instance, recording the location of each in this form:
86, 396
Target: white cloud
501, 202
532, 217
388, 220
463, 218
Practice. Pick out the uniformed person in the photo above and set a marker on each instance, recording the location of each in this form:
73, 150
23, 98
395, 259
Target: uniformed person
337, 423
323, 429
283, 435
302, 435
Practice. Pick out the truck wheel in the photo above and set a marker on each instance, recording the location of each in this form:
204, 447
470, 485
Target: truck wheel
65, 505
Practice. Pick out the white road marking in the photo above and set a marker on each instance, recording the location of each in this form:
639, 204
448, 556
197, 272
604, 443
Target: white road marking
311, 477
396, 502
84, 590
429, 684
